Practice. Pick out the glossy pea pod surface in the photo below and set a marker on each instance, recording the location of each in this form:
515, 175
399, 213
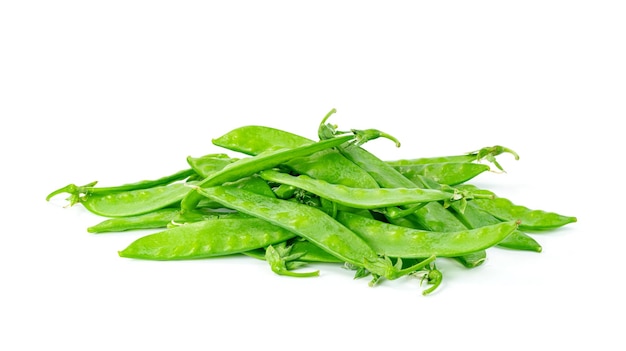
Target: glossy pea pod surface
505, 210
365, 198
397, 241
328, 165
311, 224
208, 238
450, 173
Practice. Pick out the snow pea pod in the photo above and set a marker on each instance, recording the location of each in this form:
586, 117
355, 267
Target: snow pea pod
313, 225
505, 210
150, 220
251, 165
474, 217
205, 239
487, 153
328, 165
397, 241
136, 202
433, 216
365, 198
78, 193
450, 173
209, 164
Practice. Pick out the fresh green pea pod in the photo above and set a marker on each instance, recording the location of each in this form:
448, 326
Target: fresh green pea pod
534, 220
151, 220
205, 239
397, 241
135, 202
328, 165
246, 140
311, 224
433, 216
77, 193
209, 164
444, 173
251, 165
487, 153
474, 217
365, 198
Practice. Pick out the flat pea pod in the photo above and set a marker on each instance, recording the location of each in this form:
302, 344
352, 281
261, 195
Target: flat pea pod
474, 217
539, 220
150, 220
251, 165
311, 224
364, 198
397, 241
78, 192
209, 164
328, 165
246, 140
433, 216
205, 239
450, 173
488, 153
135, 202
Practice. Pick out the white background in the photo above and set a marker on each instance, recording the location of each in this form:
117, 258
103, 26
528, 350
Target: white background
120, 91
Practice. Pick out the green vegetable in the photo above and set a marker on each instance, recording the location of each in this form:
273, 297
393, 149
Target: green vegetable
293, 201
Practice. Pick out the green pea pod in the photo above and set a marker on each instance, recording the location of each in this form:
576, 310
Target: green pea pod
78, 192
359, 197
535, 220
251, 165
311, 224
209, 164
433, 216
155, 219
136, 202
487, 153
444, 173
474, 217
397, 241
205, 239
246, 140
328, 165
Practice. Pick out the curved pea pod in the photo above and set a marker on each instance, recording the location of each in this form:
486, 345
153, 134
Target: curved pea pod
246, 140
444, 173
505, 210
433, 216
488, 153
364, 198
205, 239
313, 225
135, 202
209, 164
77, 193
397, 241
151, 220
248, 166
474, 217
328, 165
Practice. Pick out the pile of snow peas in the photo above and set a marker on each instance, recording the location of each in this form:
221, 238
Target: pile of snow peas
293, 201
